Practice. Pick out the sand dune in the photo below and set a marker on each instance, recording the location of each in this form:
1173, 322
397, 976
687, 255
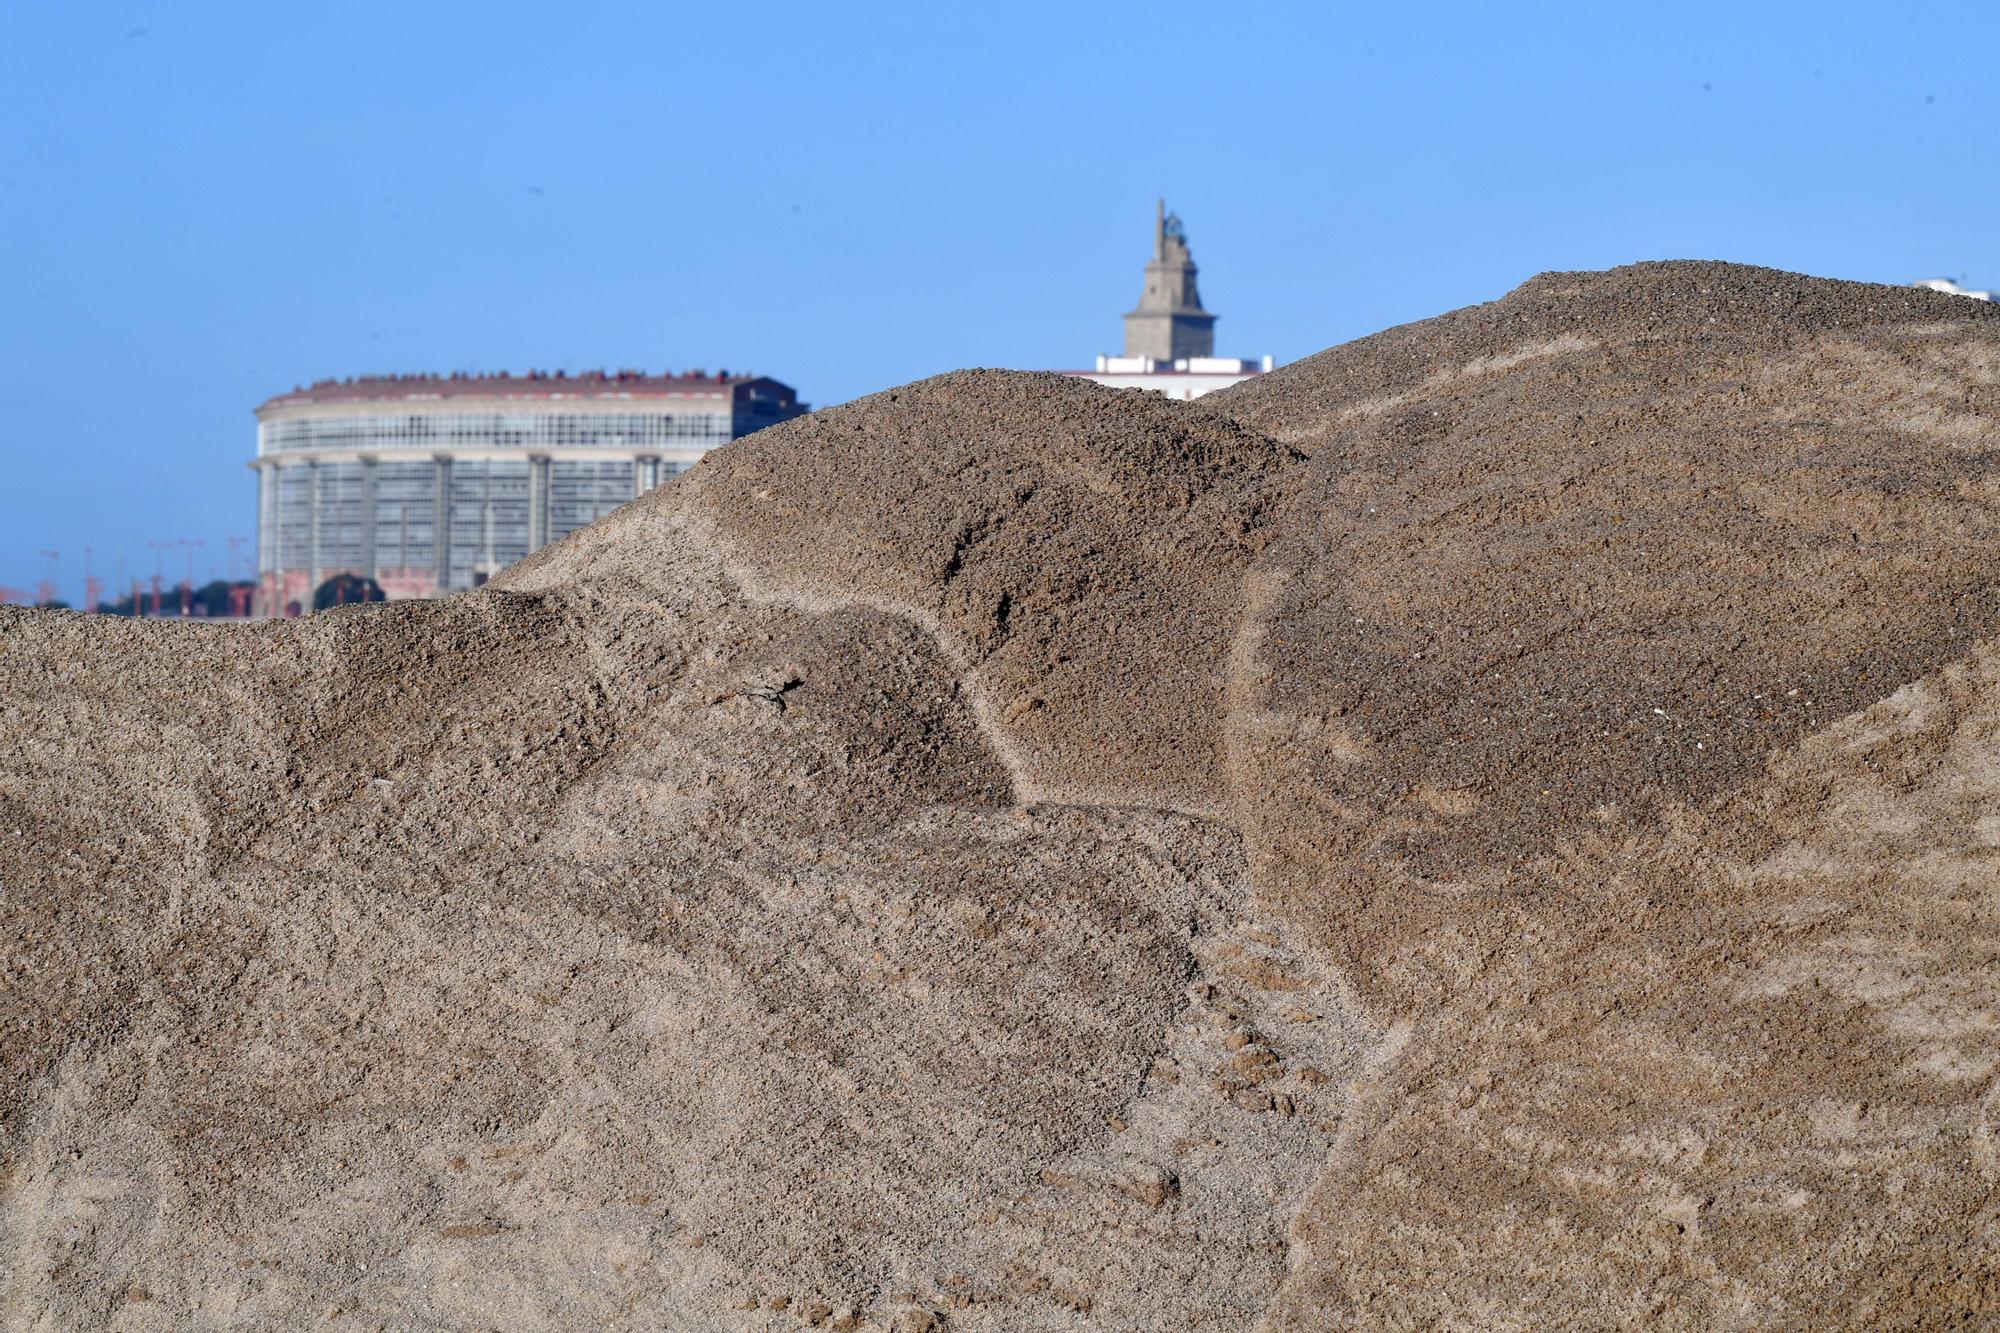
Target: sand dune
1493, 826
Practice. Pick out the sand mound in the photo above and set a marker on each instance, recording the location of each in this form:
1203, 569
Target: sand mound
1493, 826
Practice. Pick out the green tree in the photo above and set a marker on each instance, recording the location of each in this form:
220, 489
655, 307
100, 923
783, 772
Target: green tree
212, 598
344, 588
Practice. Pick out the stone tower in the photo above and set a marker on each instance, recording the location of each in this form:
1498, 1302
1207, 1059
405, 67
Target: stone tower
1170, 324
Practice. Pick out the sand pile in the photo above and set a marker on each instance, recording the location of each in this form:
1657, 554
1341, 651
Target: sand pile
1494, 826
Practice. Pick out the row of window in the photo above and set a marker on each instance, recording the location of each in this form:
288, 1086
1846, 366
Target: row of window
498, 430
487, 524
317, 516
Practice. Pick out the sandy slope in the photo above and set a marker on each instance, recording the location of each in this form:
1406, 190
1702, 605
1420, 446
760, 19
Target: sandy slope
1494, 826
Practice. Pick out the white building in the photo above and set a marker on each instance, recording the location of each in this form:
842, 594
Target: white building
1170, 338
1187, 377
1950, 288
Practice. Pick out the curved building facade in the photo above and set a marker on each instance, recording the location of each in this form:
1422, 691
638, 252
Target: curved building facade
430, 484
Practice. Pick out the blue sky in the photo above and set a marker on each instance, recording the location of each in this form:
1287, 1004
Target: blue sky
204, 204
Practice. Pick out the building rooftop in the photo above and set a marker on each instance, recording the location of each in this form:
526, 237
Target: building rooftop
1187, 365
533, 384
1950, 288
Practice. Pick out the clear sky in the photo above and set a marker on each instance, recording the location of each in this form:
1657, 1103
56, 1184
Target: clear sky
204, 204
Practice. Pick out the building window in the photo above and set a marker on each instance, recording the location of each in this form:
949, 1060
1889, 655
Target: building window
489, 518
582, 492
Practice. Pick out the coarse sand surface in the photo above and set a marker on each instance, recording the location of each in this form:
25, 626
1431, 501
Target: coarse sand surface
1493, 826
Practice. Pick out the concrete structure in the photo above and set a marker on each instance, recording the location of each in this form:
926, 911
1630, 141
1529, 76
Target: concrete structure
1170, 324
430, 484
1190, 377
1170, 338
1950, 288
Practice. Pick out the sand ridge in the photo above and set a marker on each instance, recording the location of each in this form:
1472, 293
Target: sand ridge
1488, 827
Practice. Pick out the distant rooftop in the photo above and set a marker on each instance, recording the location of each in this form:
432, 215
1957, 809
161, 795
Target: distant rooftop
1950, 288
531, 384
1186, 365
